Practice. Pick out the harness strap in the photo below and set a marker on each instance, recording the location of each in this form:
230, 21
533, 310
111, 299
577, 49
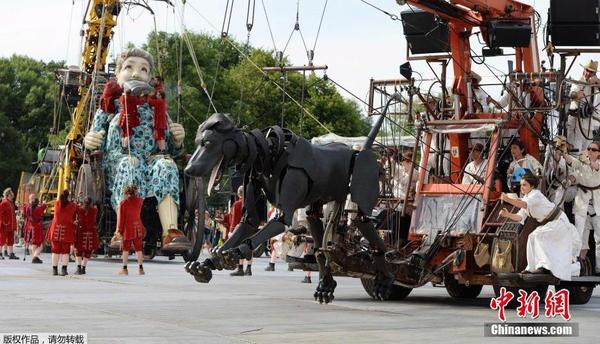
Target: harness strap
554, 214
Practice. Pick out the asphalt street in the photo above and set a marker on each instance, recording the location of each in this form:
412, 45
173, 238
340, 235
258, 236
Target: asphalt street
168, 306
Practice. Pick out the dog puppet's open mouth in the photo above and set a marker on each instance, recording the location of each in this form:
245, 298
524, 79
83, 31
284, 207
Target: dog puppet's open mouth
215, 176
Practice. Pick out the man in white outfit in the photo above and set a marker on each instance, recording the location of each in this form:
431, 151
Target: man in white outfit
475, 170
586, 174
584, 97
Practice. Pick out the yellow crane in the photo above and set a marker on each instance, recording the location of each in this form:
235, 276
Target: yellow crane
102, 18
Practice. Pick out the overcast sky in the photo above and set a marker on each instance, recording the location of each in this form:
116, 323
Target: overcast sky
356, 41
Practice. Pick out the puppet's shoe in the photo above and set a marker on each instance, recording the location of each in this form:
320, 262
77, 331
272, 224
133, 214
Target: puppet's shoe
175, 242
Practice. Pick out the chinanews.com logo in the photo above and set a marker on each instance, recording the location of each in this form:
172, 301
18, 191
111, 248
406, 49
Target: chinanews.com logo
556, 306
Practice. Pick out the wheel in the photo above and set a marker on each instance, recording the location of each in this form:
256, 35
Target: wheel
195, 207
398, 292
149, 253
461, 291
581, 294
541, 290
260, 250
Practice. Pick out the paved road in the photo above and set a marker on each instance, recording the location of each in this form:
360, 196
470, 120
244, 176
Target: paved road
168, 306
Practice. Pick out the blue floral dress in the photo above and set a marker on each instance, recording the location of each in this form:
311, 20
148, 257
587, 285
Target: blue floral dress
154, 174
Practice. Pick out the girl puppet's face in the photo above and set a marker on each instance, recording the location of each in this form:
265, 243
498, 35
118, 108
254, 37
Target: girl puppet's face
134, 68
525, 187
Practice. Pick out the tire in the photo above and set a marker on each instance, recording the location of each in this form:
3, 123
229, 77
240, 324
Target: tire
461, 291
581, 294
195, 204
398, 292
541, 290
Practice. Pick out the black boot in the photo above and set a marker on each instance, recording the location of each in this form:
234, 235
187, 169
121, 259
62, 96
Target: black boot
271, 267
1, 256
248, 270
63, 271
306, 279
36, 260
55, 271
239, 271
12, 256
78, 272
83, 270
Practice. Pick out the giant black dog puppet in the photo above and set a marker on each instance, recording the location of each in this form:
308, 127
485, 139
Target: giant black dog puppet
292, 173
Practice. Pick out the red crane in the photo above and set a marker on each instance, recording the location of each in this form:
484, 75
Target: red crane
462, 16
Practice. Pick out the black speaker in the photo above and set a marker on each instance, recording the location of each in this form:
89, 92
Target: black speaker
418, 22
428, 44
575, 11
587, 35
509, 33
424, 33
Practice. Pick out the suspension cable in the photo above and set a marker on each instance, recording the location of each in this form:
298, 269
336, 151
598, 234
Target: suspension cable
268, 24
228, 40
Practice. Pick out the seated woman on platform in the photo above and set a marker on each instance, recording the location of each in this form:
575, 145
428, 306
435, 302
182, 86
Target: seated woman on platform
521, 164
551, 246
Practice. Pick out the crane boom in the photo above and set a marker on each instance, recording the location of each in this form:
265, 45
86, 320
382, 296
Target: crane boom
462, 16
102, 18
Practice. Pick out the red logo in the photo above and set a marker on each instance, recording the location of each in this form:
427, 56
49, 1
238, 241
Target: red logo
500, 302
555, 303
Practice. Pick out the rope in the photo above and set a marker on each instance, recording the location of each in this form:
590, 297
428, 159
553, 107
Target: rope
260, 70
268, 24
320, 22
158, 62
249, 18
392, 16
197, 67
225, 32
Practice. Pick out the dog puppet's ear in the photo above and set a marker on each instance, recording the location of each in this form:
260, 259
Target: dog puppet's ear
218, 121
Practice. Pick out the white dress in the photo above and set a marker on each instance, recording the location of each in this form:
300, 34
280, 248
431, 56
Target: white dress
553, 245
471, 169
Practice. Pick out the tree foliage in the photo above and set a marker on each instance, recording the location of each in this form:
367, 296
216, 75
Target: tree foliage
238, 87
27, 95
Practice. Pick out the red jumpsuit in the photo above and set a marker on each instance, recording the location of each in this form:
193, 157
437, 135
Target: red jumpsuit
130, 223
62, 230
87, 234
8, 223
34, 228
235, 216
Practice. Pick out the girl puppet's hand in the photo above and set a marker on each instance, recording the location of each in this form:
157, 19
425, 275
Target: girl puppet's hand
161, 145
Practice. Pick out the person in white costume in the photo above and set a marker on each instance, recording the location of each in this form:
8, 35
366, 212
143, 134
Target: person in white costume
555, 173
551, 247
592, 223
584, 94
586, 173
521, 159
401, 175
481, 99
475, 170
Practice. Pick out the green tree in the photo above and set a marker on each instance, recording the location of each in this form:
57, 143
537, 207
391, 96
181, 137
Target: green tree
27, 95
240, 89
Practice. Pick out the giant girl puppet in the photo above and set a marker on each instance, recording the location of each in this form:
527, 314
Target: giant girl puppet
133, 130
